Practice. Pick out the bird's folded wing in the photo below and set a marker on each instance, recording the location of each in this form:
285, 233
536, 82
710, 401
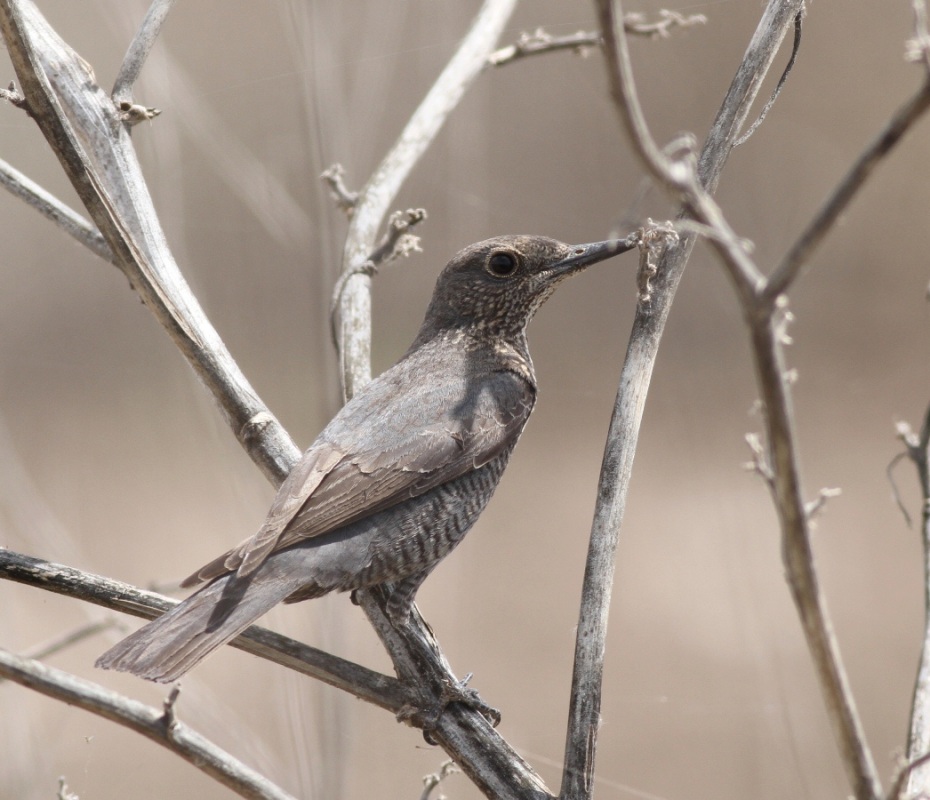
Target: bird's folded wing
346, 476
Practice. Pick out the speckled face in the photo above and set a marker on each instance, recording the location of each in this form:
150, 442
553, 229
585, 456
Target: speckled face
497, 285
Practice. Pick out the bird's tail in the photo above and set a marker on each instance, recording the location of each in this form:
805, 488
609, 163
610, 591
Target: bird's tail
181, 638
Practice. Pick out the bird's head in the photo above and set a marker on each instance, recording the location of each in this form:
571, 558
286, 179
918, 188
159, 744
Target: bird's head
495, 286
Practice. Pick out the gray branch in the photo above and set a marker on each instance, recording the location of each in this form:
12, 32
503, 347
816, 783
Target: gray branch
648, 325
366, 684
376, 196
916, 782
762, 305
66, 218
161, 726
86, 131
139, 49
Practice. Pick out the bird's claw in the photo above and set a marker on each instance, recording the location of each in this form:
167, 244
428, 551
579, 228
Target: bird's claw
453, 691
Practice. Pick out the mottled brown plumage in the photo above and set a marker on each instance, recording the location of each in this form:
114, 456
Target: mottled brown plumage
399, 475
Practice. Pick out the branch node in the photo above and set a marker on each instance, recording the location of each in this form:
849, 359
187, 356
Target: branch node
760, 462
334, 178
14, 97
169, 718
814, 507
654, 239
635, 23
134, 113
396, 243
64, 793
433, 780
255, 425
784, 318
917, 50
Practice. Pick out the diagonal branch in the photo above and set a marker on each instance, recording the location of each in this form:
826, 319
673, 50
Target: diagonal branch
161, 726
648, 325
893, 132
139, 49
66, 218
364, 683
763, 305
85, 130
378, 194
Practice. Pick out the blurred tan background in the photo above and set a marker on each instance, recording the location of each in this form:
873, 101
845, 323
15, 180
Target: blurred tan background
113, 458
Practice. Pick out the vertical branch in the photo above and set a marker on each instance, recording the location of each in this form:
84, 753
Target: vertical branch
87, 134
648, 325
918, 740
376, 197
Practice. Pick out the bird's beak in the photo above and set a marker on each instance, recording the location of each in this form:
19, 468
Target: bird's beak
583, 255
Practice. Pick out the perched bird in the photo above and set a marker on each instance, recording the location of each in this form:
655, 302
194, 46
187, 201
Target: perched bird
399, 475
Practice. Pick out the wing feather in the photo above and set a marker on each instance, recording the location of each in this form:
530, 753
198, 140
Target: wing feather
378, 452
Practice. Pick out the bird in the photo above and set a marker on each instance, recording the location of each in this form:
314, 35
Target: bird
401, 473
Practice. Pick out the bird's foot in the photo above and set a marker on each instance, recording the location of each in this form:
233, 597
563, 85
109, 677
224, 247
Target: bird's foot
453, 691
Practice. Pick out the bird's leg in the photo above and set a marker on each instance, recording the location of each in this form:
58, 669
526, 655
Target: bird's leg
400, 598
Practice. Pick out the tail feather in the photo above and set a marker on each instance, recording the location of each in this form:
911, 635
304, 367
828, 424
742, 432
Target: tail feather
167, 647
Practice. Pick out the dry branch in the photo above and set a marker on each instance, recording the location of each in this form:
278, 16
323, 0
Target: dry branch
648, 325
360, 681
161, 727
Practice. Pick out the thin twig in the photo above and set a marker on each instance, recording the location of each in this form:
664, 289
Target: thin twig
433, 780
70, 638
13, 97
50, 206
799, 254
379, 192
918, 740
397, 242
139, 49
343, 197
795, 49
150, 722
540, 41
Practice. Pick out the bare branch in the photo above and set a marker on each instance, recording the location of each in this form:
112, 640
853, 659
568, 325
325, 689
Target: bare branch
539, 42
362, 682
638, 24
648, 325
893, 132
139, 50
582, 42
63, 216
915, 779
379, 192
150, 722
86, 132
397, 242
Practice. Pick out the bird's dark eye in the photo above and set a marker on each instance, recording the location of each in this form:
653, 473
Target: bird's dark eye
502, 265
